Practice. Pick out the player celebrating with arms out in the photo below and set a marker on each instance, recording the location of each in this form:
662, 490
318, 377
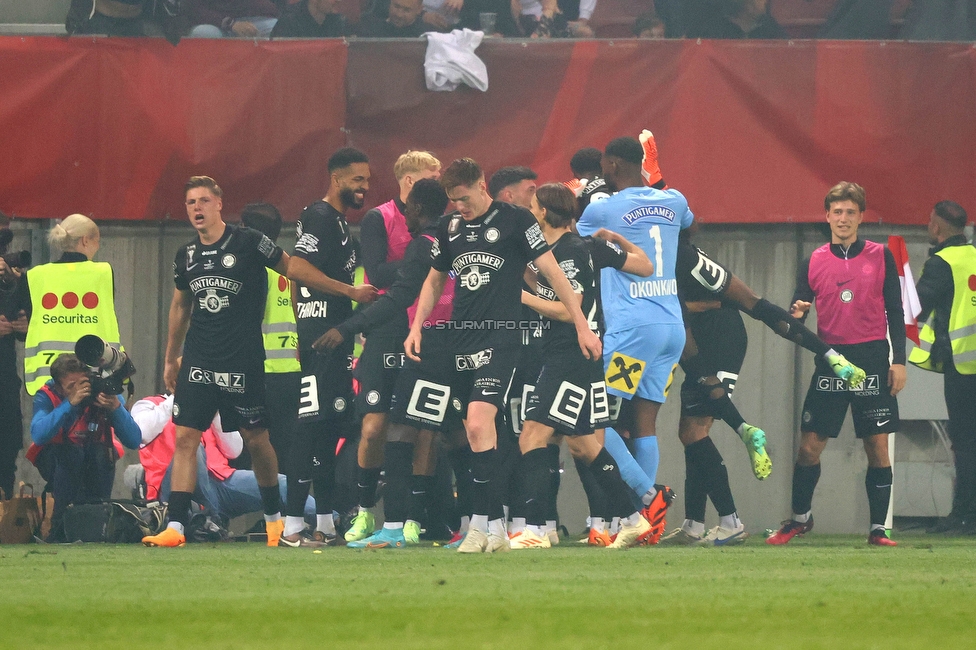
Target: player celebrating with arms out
216, 315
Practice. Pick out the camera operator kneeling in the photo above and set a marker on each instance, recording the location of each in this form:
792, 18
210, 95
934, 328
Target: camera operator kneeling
76, 438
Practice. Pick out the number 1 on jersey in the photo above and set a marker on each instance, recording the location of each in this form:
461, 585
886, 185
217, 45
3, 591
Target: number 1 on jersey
655, 234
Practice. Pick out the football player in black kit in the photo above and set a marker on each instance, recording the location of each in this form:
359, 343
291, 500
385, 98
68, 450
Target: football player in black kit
384, 236
569, 395
487, 245
326, 398
215, 316
424, 206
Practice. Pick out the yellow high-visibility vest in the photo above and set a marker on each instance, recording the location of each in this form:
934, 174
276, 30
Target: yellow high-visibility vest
962, 318
278, 327
68, 301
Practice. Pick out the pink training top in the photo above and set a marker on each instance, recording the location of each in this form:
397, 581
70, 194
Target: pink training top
397, 234
850, 301
442, 310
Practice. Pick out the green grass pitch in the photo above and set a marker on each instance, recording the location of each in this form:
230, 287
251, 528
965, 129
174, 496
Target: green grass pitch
819, 592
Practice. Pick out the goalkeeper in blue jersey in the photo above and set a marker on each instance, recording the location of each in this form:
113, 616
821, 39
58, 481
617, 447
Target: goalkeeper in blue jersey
644, 330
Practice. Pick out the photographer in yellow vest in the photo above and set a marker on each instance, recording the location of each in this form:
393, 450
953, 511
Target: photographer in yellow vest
67, 299
947, 292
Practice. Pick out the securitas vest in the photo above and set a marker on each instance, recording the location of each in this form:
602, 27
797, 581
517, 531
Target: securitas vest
397, 234
91, 426
278, 327
69, 300
962, 318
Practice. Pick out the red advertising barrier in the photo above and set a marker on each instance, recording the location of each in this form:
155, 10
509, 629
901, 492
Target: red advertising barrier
113, 127
749, 131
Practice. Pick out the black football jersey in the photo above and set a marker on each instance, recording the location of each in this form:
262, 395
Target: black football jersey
698, 276
324, 240
229, 285
592, 190
580, 258
488, 256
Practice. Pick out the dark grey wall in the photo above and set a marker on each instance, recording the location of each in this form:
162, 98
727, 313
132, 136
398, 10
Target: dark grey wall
769, 392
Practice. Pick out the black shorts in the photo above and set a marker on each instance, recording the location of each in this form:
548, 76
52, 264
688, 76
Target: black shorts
873, 407
423, 396
526, 374
721, 339
570, 395
377, 371
434, 393
326, 389
236, 390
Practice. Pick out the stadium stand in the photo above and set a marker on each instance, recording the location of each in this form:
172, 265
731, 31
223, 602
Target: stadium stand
34, 17
611, 19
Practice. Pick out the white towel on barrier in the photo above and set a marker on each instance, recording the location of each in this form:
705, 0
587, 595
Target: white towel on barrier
451, 61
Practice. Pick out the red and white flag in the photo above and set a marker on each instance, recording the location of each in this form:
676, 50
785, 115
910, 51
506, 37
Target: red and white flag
909, 297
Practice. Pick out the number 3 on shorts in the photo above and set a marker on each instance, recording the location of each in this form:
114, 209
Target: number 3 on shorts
309, 397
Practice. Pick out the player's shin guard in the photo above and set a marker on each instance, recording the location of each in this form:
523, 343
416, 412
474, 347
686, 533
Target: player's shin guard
805, 479
535, 486
696, 492
398, 463
607, 474
484, 496
596, 498
647, 455
791, 329
179, 507
367, 480
461, 463
715, 476
552, 452
421, 497
631, 472
271, 499
878, 484
300, 469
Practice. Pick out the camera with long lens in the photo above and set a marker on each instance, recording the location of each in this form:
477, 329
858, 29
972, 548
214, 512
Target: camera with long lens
14, 259
109, 366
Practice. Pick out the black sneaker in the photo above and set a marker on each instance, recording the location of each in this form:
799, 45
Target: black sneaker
299, 540
324, 538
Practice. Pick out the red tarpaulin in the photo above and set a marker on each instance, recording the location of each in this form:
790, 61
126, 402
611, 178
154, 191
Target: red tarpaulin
749, 131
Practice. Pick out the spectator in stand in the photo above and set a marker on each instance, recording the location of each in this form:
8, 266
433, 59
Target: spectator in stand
870, 19
468, 12
648, 25
404, 20
110, 17
437, 15
219, 18
225, 491
13, 326
74, 438
556, 18
735, 19
311, 19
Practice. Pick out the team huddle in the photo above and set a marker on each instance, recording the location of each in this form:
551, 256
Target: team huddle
524, 317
